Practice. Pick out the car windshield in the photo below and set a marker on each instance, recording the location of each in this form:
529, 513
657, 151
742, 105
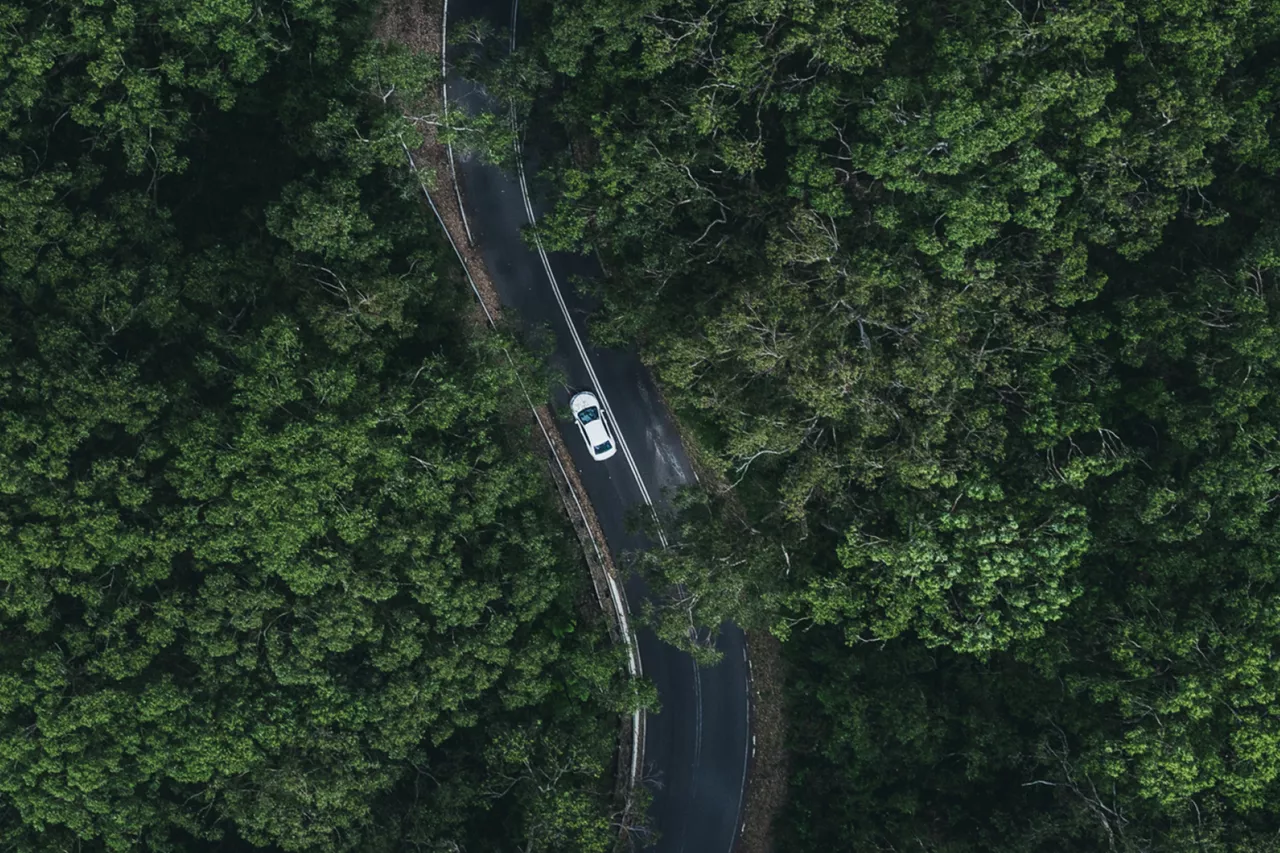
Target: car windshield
588, 414
602, 448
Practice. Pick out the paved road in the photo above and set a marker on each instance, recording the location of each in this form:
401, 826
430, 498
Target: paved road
696, 746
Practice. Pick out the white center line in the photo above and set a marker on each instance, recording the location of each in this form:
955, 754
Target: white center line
573, 329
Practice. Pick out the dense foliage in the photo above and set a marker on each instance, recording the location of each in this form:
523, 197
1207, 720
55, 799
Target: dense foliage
278, 568
972, 305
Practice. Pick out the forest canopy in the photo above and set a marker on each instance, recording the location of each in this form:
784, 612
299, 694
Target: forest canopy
971, 307
278, 567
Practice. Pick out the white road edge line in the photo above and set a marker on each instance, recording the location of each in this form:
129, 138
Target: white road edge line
444, 103
748, 749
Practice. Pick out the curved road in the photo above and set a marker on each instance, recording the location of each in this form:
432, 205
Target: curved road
696, 746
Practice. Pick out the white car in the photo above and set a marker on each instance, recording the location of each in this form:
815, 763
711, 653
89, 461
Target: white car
589, 417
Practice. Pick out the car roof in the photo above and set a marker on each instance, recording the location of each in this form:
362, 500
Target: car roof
596, 432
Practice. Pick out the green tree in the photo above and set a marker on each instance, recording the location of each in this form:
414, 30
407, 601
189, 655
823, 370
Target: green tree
278, 568
968, 309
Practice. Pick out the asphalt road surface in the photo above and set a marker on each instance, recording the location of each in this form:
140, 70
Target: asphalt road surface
696, 746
